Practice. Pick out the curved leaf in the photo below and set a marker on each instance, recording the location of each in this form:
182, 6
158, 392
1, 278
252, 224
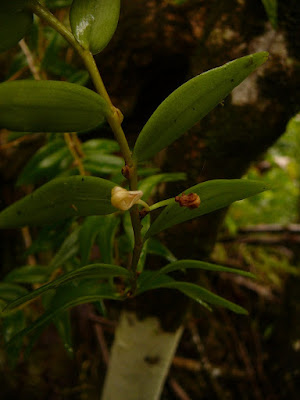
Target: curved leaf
60, 199
30, 274
200, 294
67, 250
95, 271
67, 296
94, 22
47, 162
15, 22
191, 102
214, 194
195, 264
49, 106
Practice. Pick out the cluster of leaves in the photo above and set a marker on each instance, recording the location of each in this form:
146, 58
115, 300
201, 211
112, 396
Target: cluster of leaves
79, 206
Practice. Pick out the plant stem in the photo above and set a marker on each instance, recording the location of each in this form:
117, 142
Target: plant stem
114, 119
162, 203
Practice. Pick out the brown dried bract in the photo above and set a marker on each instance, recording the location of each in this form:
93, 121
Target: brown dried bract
126, 171
143, 213
191, 200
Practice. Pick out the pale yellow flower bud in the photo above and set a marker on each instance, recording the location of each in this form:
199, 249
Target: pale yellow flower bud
124, 199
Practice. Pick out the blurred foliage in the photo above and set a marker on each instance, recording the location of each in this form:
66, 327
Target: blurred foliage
281, 169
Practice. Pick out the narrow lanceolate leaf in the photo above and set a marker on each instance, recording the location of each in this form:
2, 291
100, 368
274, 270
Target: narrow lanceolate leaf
67, 296
67, 250
93, 271
29, 274
191, 102
59, 199
15, 22
47, 162
271, 7
203, 296
213, 194
195, 264
49, 106
200, 294
94, 22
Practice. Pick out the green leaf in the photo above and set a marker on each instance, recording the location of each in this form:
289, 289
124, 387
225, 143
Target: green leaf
149, 280
149, 183
101, 146
95, 271
13, 324
11, 291
47, 162
214, 194
195, 264
101, 163
60, 199
203, 296
159, 249
94, 22
49, 106
63, 326
200, 294
271, 7
58, 3
15, 22
103, 227
143, 255
67, 250
67, 296
29, 274
191, 102
106, 237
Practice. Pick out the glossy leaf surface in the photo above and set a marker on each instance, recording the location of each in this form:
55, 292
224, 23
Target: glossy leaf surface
15, 22
49, 106
60, 199
214, 194
93, 271
191, 102
94, 22
47, 162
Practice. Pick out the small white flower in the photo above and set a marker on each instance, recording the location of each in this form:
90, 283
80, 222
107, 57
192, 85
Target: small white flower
124, 199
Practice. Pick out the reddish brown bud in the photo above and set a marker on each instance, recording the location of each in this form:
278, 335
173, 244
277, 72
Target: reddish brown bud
191, 200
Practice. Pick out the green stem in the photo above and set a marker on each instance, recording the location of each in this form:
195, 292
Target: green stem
162, 203
113, 119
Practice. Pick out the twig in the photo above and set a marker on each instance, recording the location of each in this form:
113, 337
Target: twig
102, 343
206, 366
178, 390
31, 260
30, 60
72, 147
15, 143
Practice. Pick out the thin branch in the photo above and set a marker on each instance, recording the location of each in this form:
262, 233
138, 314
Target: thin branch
178, 390
30, 60
72, 147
